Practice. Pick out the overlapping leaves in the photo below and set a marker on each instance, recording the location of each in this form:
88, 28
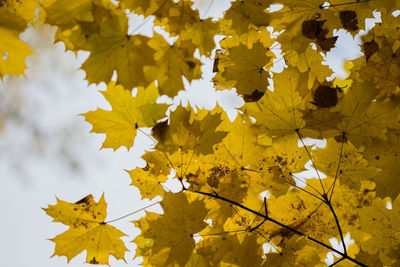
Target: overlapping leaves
224, 165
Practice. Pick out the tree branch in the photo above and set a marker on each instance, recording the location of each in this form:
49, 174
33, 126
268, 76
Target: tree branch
267, 218
337, 224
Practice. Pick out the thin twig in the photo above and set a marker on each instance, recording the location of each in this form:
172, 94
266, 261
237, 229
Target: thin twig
333, 264
312, 161
208, 9
136, 211
338, 168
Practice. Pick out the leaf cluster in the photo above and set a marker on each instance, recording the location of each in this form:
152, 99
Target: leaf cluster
225, 167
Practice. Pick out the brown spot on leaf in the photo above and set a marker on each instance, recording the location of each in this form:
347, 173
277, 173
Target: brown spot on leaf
341, 138
255, 96
370, 48
217, 173
191, 64
85, 200
325, 97
159, 130
327, 43
349, 20
312, 28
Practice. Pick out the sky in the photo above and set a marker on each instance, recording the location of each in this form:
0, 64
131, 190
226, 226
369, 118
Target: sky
46, 149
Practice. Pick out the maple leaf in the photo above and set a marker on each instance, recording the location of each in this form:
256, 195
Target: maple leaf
30, 10
353, 16
280, 111
307, 21
277, 165
246, 68
13, 51
148, 7
311, 62
353, 167
295, 251
382, 65
381, 223
201, 34
230, 163
113, 49
146, 180
172, 63
87, 231
173, 232
174, 17
102, 29
187, 132
65, 14
243, 15
357, 116
383, 154
244, 253
127, 115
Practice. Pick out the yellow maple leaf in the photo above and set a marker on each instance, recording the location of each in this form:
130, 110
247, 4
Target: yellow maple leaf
127, 115
353, 167
246, 68
308, 22
28, 9
13, 51
383, 154
382, 225
102, 28
173, 232
245, 15
172, 16
201, 34
295, 251
364, 116
113, 49
88, 231
246, 252
311, 62
66, 14
280, 112
186, 132
382, 67
148, 7
172, 63
148, 183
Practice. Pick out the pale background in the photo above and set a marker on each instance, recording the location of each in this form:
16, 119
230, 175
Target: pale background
46, 149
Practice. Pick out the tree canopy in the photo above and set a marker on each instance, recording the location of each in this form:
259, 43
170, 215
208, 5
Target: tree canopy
241, 201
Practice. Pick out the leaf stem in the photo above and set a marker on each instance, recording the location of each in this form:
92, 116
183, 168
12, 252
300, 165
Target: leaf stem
136, 211
338, 167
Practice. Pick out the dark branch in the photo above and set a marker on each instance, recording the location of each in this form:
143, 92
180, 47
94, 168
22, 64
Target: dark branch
267, 218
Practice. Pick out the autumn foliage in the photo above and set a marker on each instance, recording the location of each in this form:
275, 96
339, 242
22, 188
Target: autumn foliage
223, 166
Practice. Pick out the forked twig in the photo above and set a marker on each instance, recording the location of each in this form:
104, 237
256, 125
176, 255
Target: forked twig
267, 218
